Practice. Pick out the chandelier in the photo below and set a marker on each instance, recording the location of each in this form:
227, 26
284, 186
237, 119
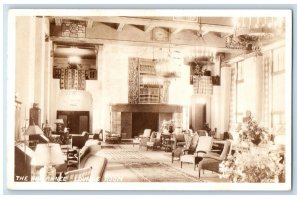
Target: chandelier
250, 32
168, 66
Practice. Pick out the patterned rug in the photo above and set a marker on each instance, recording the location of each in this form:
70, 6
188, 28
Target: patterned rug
159, 172
144, 168
119, 154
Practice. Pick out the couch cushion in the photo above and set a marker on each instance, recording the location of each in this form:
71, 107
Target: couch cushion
98, 165
180, 137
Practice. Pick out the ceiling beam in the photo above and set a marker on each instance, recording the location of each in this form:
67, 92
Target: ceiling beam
148, 28
153, 22
120, 27
89, 23
134, 43
58, 21
176, 31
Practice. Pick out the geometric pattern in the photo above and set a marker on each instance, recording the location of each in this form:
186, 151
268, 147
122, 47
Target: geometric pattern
133, 81
72, 79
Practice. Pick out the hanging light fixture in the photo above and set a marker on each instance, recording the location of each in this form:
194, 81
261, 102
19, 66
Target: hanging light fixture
167, 65
201, 62
249, 32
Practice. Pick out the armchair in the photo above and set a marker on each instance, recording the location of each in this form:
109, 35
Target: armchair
155, 140
179, 140
204, 146
211, 161
79, 140
145, 137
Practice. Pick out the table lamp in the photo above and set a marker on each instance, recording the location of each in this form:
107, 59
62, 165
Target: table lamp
59, 125
47, 155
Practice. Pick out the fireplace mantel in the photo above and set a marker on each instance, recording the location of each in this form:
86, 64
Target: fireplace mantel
154, 108
123, 117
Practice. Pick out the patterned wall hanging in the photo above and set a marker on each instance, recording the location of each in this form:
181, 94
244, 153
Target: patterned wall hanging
133, 81
72, 79
73, 29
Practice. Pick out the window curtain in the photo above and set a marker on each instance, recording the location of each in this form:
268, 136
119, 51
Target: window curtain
72, 79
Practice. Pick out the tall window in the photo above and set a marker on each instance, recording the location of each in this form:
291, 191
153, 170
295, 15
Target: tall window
240, 91
278, 88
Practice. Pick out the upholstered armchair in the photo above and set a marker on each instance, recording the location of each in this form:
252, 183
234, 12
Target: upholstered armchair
211, 161
204, 146
202, 132
156, 139
145, 137
79, 140
179, 140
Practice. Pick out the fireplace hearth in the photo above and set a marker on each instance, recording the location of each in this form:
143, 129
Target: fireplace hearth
130, 120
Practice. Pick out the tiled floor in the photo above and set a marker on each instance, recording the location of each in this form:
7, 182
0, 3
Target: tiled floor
118, 154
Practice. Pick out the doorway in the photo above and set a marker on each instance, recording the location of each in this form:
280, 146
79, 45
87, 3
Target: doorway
76, 121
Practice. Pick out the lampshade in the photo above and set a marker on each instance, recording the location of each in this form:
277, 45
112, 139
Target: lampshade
59, 121
33, 130
47, 154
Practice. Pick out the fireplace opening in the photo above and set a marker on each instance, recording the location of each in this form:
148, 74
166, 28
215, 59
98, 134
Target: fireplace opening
142, 121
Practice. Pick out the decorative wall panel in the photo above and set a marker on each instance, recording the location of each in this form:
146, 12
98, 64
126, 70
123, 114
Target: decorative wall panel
72, 79
133, 81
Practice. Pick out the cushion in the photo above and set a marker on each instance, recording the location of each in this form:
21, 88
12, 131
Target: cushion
147, 133
204, 143
92, 142
187, 158
180, 137
158, 135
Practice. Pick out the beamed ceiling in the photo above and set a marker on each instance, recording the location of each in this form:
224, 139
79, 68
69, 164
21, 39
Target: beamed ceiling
155, 31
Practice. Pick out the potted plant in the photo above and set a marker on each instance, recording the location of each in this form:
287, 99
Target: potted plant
168, 126
253, 166
251, 132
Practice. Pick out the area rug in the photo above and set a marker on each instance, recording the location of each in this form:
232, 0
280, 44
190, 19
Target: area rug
121, 155
159, 172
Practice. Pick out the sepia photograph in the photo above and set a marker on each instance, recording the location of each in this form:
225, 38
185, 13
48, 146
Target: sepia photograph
166, 99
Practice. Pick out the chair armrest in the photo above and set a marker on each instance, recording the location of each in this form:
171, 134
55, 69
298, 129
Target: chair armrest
208, 156
185, 151
197, 152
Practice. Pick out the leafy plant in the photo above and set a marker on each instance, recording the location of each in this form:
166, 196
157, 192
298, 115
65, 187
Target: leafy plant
168, 125
253, 166
254, 133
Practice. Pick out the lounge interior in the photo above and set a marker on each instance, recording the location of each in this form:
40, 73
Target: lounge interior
149, 98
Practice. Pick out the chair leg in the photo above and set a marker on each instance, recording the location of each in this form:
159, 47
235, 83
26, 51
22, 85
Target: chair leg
180, 164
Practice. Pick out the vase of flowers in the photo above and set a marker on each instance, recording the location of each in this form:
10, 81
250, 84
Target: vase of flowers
168, 126
253, 133
253, 166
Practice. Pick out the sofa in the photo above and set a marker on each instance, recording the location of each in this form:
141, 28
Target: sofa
89, 158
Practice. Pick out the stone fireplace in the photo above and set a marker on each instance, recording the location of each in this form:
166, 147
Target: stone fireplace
130, 120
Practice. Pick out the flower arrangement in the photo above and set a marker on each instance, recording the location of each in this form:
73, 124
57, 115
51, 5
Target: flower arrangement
168, 125
254, 133
253, 166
